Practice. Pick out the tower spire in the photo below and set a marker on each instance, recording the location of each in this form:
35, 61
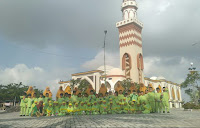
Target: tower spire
129, 9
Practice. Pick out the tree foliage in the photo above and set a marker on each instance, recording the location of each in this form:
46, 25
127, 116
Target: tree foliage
73, 83
126, 84
83, 85
13, 91
192, 84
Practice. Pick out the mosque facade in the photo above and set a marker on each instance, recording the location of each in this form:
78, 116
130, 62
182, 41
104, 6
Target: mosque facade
131, 60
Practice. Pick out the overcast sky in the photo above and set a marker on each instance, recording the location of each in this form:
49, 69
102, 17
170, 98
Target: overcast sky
43, 41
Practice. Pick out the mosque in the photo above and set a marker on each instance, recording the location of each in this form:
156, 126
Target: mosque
131, 60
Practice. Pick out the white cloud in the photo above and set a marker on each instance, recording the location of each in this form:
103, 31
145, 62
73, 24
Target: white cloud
172, 68
112, 59
35, 76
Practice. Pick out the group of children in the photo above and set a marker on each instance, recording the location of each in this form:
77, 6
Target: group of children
84, 104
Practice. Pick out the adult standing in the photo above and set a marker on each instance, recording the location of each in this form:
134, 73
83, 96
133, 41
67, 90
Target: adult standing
165, 100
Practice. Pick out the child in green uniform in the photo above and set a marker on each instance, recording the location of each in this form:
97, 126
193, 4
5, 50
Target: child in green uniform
126, 108
82, 108
165, 100
56, 108
133, 96
133, 107
44, 109
74, 98
88, 108
34, 98
85, 98
147, 108
70, 109
28, 105
62, 109
151, 99
158, 100
23, 105
50, 110
61, 99
76, 109
95, 108
79, 98
92, 97
103, 108
110, 107
34, 108
41, 98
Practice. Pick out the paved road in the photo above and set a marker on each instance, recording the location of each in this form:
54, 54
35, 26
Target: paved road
177, 118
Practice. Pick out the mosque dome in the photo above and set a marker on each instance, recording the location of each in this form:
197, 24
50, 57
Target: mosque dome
161, 78
116, 71
153, 78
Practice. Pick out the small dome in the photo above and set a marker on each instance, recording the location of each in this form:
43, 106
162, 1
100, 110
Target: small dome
161, 78
115, 71
153, 78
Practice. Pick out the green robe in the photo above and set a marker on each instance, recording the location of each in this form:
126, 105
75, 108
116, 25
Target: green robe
133, 108
74, 99
56, 110
95, 109
103, 109
91, 98
40, 99
60, 101
165, 101
82, 109
88, 109
151, 100
70, 110
22, 106
28, 106
147, 109
50, 110
62, 111
158, 105
133, 97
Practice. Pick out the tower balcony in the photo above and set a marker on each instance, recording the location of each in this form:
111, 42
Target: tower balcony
128, 3
128, 21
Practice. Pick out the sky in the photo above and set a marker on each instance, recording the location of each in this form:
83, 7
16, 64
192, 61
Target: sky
44, 41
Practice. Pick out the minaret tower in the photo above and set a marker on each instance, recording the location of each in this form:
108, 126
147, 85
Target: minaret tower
130, 41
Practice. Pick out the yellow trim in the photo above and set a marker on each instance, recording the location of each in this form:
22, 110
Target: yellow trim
63, 82
88, 72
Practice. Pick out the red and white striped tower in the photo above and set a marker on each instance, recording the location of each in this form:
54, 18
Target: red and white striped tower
130, 36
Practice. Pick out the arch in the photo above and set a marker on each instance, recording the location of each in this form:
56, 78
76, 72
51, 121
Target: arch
140, 63
108, 86
89, 81
131, 13
126, 64
126, 16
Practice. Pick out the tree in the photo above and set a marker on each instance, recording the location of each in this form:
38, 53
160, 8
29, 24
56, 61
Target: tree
126, 84
13, 91
192, 84
84, 84
73, 83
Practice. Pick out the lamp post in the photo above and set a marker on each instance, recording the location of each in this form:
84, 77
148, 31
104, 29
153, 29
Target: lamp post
105, 32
